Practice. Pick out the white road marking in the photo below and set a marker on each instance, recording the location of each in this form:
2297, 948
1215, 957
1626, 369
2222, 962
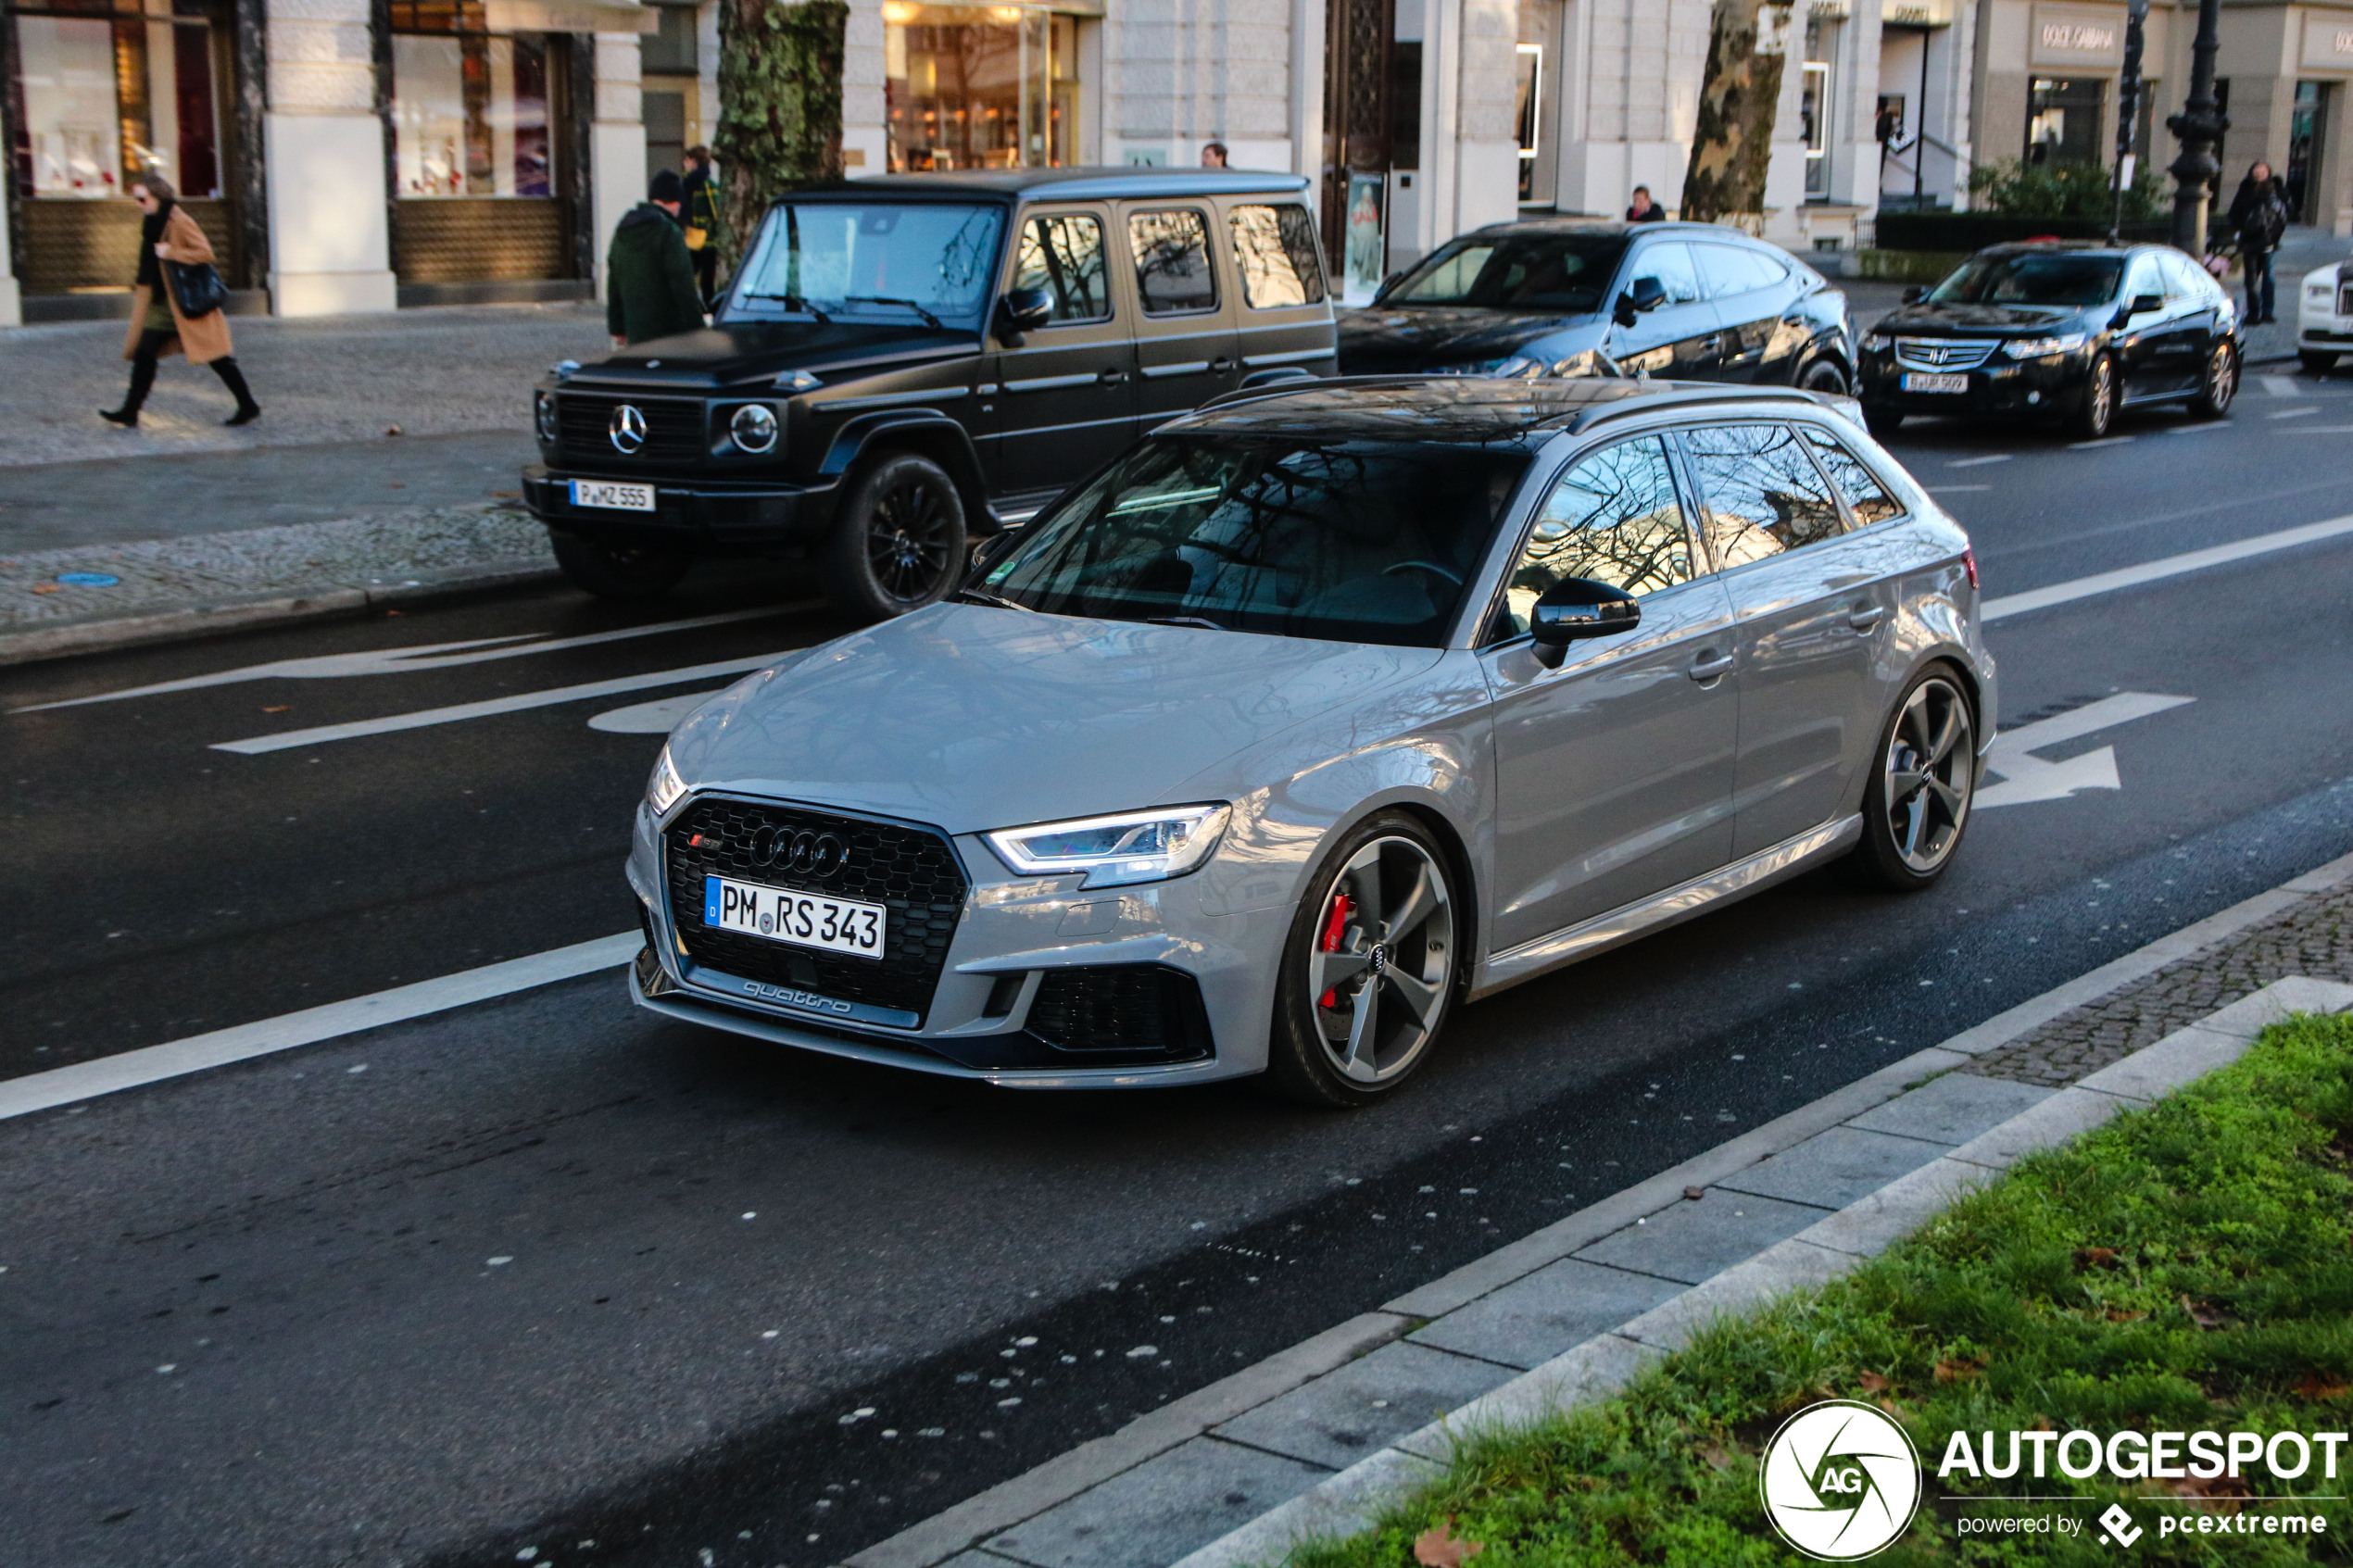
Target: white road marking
1978, 462
2198, 429
2280, 387
1952, 489
424, 717
2293, 413
87, 1080
2027, 778
425, 655
2156, 571
2319, 430
656, 717
2103, 441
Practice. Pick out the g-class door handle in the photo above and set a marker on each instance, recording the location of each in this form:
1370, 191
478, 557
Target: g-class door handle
1220, 366
1709, 665
1113, 377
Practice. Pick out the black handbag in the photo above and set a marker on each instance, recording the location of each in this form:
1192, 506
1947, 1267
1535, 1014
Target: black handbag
196, 288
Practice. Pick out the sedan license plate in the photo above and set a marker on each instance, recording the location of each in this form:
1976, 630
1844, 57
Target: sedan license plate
612, 496
1934, 381
804, 920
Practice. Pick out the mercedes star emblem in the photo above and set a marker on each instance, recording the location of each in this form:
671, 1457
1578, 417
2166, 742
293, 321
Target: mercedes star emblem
627, 429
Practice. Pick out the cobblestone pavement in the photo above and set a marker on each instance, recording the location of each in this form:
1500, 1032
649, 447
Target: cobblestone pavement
2313, 938
385, 550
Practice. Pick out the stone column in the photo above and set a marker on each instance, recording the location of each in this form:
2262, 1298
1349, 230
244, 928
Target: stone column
616, 140
323, 151
1487, 140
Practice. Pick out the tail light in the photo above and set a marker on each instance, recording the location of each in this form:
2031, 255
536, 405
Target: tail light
1968, 563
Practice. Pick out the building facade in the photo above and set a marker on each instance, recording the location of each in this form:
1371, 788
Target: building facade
360, 154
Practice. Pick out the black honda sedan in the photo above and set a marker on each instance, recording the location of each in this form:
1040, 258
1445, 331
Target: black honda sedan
1692, 301
2067, 333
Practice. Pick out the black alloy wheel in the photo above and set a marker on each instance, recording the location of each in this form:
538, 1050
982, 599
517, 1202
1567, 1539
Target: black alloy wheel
618, 572
1916, 803
899, 543
2095, 414
2218, 384
1372, 967
1823, 376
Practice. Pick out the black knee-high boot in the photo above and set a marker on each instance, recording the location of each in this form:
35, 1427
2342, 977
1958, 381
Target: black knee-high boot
143, 379
234, 380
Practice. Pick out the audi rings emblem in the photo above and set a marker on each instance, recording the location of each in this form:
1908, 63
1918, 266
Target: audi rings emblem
627, 429
811, 854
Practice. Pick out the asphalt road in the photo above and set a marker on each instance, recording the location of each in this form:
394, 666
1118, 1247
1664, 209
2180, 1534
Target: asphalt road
548, 1270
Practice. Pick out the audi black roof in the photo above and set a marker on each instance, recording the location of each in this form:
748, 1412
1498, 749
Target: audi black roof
1105, 183
1462, 407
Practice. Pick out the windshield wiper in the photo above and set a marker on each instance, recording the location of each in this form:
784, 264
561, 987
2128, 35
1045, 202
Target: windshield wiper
1183, 621
793, 302
980, 596
929, 319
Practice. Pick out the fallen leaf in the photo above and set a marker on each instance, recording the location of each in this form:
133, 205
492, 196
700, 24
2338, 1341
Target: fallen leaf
44, 587
2319, 1385
1873, 1383
1959, 1369
2096, 1258
2202, 1313
504, 494
1694, 1194
1441, 1547
2224, 1491
392, 429
280, 708
2118, 1314
1716, 1455
393, 612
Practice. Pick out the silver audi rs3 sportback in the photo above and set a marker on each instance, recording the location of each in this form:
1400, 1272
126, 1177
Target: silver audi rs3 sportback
1318, 714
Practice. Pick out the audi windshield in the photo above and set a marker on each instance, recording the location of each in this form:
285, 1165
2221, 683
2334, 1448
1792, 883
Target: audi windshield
919, 262
1344, 539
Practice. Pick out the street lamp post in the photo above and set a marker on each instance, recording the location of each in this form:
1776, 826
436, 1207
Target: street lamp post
2198, 127
2128, 112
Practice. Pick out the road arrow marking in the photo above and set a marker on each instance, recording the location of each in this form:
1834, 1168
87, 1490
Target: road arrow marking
2026, 777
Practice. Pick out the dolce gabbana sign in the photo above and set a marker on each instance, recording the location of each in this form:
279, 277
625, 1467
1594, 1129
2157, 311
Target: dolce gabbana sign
2328, 40
2072, 36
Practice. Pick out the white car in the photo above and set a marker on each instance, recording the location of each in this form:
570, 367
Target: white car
2324, 317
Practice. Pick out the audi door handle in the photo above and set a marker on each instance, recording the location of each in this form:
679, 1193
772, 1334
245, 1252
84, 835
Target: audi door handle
1112, 377
1707, 667
1866, 617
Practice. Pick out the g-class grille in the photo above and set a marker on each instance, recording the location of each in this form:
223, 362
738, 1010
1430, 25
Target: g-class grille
911, 871
673, 426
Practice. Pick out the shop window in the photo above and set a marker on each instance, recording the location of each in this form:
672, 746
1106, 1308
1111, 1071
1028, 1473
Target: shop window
2063, 120
469, 115
1529, 120
980, 87
1814, 106
106, 95
1275, 252
1173, 274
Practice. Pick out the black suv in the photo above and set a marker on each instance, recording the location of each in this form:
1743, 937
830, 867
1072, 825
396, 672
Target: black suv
1694, 301
906, 362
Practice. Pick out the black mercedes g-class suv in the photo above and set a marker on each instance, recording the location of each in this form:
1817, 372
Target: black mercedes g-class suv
905, 362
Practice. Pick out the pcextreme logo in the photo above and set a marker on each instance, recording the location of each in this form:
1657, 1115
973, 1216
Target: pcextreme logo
1840, 1480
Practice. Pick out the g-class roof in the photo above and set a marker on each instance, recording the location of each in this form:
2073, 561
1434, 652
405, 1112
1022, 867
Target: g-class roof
1106, 184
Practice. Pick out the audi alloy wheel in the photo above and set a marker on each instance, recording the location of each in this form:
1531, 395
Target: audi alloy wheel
1917, 802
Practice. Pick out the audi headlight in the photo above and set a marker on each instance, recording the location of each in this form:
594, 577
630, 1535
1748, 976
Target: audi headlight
1115, 851
543, 410
663, 789
754, 427
2037, 347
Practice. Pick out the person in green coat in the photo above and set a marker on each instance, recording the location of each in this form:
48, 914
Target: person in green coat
649, 274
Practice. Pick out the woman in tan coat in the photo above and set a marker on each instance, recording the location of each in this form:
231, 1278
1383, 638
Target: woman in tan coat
168, 233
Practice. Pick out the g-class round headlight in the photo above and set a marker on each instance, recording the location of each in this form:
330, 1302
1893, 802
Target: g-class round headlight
754, 427
544, 414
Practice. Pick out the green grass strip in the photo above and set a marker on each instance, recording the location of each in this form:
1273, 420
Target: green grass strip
2187, 1267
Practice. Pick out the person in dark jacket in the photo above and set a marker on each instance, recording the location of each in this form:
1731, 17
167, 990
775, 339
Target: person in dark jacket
701, 219
1644, 210
649, 274
2260, 218
168, 233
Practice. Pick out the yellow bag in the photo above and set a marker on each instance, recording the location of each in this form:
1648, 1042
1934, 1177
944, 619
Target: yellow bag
697, 238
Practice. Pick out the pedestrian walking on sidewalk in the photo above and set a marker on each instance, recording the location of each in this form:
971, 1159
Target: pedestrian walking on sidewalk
167, 236
702, 224
2258, 217
649, 273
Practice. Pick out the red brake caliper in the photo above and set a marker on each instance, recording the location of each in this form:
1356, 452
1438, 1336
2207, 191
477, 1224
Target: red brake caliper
1333, 927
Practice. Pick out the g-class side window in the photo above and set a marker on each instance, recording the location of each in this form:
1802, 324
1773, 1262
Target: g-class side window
1062, 253
1173, 275
1275, 252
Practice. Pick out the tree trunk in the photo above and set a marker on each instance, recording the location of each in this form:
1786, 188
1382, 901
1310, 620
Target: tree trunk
1733, 142
780, 107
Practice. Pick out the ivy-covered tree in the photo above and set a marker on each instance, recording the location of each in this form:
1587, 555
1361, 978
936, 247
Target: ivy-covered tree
779, 105
1732, 143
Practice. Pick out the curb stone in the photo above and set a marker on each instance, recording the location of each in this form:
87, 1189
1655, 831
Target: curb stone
1950, 1131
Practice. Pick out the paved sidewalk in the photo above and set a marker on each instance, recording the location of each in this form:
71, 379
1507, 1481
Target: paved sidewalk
1317, 1440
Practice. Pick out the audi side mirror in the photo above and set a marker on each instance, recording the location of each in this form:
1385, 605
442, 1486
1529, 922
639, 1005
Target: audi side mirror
1576, 609
1023, 311
1915, 294
1643, 293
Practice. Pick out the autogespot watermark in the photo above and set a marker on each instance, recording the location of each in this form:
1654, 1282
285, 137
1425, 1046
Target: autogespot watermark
1841, 1481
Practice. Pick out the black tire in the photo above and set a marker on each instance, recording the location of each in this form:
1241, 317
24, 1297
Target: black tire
1914, 815
1826, 376
2315, 364
899, 543
2218, 383
2095, 409
1408, 956
1882, 422
625, 572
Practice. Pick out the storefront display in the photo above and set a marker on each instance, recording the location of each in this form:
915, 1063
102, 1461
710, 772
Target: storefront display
980, 87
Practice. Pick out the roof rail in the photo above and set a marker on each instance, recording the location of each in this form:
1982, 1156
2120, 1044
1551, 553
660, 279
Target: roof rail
1601, 413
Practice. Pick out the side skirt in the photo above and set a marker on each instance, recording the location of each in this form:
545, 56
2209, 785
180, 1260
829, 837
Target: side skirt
1502, 971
